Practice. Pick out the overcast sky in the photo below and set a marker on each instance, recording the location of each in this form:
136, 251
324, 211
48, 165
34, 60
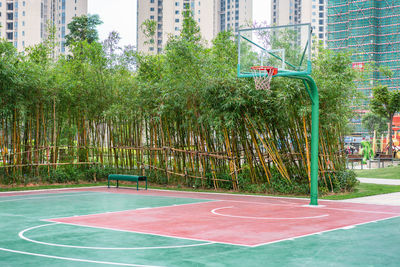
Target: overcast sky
120, 16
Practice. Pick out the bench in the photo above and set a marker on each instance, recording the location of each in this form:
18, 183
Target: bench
127, 177
382, 158
354, 158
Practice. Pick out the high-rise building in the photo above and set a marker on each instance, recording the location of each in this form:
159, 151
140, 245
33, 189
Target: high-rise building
370, 30
212, 17
24, 22
285, 12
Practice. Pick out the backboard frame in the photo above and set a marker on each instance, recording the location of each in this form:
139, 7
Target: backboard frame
282, 71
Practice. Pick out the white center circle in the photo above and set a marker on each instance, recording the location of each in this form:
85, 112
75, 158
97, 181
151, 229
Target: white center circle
21, 235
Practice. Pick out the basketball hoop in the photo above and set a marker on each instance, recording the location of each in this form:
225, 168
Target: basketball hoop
262, 76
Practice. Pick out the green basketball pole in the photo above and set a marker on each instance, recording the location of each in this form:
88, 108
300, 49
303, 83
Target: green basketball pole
312, 91
314, 139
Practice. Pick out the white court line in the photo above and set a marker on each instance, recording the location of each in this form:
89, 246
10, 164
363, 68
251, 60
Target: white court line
144, 208
214, 211
348, 227
74, 259
52, 189
149, 233
53, 196
21, 235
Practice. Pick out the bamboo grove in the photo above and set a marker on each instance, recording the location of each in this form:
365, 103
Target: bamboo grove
182, 117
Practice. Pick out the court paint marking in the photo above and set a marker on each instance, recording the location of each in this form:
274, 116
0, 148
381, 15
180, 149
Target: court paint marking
325, 231
145, 208
52, 189
322, 207
74, 259
46, 197
214, 211
153, 234
21, 235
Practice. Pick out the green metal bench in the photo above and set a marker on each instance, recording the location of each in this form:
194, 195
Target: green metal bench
127, 177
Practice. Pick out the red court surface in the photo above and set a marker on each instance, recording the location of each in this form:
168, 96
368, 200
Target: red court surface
234, 219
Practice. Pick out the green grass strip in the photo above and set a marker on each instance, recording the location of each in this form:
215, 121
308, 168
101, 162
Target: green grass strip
392, 172
364, 190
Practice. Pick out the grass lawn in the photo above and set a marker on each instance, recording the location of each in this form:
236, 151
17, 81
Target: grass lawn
392, 172
364, 190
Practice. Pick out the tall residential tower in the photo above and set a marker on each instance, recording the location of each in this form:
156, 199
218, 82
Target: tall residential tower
24, 22
284, 12
212, 16
370, 30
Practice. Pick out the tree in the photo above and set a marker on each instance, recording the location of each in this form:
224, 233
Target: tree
83, 28
386, 103
373, 122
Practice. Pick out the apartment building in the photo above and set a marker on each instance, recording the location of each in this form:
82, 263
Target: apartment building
284, 12
369, 29
212, 17
24, 22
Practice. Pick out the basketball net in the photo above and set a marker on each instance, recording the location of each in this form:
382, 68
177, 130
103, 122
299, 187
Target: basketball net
262, 76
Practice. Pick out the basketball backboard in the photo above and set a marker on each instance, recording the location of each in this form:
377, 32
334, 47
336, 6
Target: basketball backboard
287, 48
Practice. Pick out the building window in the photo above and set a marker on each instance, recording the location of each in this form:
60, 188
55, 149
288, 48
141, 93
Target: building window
321, 22
321, 2
321, 36
176, 28
23, 23
23, 13
10, 26
23, 33
9, 35
176, 12
151, 48
176, 3
23, 44
321, 29
152, 1
176, 20
321, 15
10, 16
151, 8
23, 3
152, 17
10, 6
321, 8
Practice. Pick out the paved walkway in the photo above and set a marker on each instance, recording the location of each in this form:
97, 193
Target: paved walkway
392, 199
379, 181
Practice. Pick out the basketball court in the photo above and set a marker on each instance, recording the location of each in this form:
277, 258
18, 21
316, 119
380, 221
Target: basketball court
124, 227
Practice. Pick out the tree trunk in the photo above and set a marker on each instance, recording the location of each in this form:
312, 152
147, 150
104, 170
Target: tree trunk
390, 150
